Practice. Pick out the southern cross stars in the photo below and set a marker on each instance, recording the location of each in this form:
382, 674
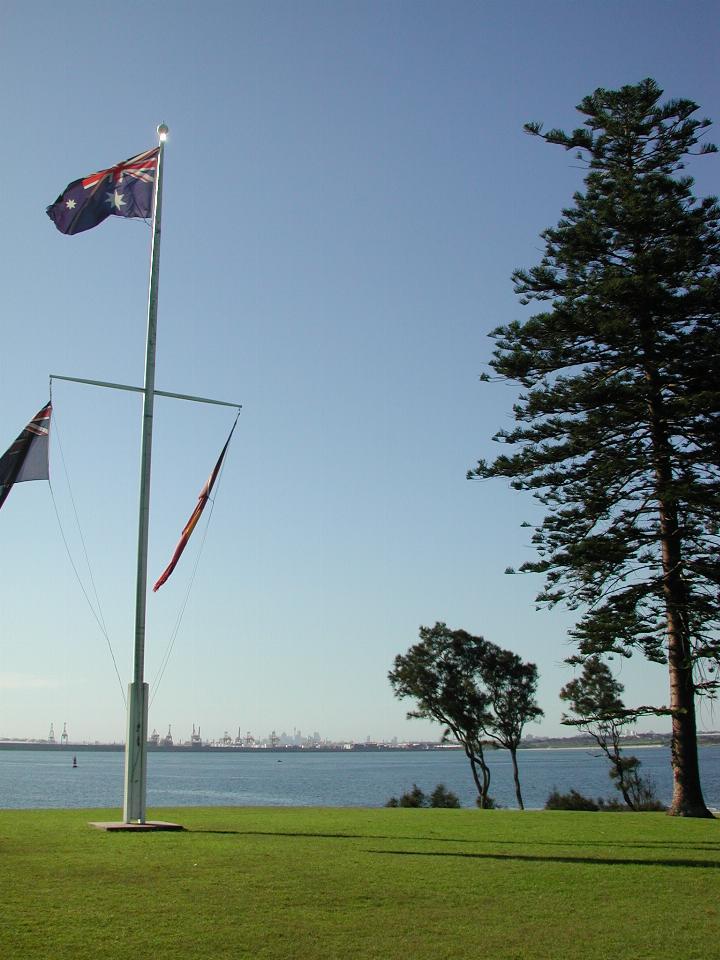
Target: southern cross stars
115, 200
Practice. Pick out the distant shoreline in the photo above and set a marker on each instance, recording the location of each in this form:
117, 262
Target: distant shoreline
569, 743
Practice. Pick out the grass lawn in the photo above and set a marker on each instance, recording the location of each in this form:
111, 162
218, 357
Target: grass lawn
357, 884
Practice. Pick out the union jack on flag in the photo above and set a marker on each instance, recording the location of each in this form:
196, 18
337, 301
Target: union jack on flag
125, 190
27, 457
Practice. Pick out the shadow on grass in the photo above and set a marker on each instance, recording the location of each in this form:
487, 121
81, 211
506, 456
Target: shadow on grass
525, 858
297, 833
520, 857
709, 847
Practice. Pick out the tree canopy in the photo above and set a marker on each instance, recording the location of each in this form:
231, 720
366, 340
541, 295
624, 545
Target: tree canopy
618, 426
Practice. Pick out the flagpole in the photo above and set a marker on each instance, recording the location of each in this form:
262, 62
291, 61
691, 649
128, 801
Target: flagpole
136, 742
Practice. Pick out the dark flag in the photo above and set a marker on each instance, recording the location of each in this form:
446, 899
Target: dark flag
125, 190
27, 458
194, 517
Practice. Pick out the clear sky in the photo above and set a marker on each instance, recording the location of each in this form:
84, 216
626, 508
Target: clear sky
347, 191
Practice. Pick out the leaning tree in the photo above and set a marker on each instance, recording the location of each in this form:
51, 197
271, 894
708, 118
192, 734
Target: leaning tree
617, 427
473, 687
430, 674
511, 684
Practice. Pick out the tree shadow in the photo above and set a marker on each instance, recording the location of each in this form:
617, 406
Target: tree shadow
709, 846
529, 858
291, 833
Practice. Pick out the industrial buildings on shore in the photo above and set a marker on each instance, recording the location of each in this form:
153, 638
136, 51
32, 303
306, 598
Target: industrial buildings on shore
298, 742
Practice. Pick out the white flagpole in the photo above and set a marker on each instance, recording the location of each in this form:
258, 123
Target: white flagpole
136, 742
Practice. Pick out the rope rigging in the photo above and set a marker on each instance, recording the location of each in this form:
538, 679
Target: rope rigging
97, 613
96, 606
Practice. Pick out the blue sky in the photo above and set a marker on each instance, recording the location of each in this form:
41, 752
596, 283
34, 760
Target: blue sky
347, 191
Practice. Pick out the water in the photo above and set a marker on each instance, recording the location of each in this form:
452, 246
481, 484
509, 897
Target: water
36, 779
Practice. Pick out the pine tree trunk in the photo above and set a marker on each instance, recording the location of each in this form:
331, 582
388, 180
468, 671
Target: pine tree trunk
687, 798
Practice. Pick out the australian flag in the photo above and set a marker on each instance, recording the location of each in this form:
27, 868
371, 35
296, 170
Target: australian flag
125, 190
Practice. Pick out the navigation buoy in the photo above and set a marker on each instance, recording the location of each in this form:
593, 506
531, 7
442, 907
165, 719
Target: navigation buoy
74, 763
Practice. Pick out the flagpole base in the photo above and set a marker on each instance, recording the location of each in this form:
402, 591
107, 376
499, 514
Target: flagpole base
147, 826
134, 806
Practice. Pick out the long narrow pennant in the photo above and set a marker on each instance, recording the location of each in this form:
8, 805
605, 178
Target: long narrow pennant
194, 516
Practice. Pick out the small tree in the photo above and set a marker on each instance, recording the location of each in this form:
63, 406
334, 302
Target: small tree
430, 673
595, 700
475, 688
511, 685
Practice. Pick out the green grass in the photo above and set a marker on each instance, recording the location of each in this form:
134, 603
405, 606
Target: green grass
356, 884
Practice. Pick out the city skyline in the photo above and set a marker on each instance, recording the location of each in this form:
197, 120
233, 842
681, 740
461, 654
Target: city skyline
298, 740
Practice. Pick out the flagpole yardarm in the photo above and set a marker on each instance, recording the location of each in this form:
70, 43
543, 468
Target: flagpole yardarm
158, 393
136, 744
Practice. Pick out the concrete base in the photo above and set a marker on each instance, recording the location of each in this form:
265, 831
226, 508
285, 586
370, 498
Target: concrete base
112, 826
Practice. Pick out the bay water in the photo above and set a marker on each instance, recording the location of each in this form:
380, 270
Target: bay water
47, 779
